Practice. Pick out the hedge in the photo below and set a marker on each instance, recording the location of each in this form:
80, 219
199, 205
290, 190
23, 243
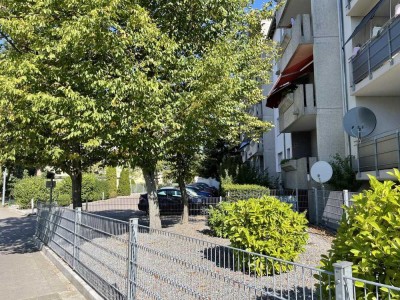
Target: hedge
124, 186
92, 190
30, 188
235, 192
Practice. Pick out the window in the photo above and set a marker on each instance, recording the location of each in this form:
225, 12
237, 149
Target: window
288, 153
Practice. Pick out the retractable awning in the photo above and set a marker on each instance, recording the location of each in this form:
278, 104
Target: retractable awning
365, 20
286, 79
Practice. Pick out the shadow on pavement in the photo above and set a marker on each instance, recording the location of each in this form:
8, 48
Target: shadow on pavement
17, 235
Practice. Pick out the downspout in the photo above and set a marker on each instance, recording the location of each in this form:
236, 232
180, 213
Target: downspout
343, 65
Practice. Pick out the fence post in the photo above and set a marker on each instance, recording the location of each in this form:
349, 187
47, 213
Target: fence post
343, 290
316, 205
77, 220
297, 200
132, 256
346, 201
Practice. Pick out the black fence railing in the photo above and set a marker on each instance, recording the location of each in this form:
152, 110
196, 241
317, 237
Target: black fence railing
380, 152
377, 51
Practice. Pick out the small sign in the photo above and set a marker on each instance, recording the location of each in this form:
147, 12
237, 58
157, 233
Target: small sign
50, 184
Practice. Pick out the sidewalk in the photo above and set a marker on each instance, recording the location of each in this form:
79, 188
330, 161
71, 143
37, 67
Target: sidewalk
25, 273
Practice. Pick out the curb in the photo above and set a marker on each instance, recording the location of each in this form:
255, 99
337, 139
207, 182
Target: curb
85, 289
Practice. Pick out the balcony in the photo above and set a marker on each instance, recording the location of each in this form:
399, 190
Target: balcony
376, 64
359, 8
378, 155
292, 8
297, 42
297, 110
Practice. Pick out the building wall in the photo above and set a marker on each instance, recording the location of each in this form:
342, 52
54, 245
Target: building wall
327, 72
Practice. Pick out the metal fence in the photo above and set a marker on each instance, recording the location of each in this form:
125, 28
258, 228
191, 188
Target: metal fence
122, 260
326, 207
93, 246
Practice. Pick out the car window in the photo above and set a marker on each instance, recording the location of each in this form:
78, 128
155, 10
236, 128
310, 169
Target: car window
162, 193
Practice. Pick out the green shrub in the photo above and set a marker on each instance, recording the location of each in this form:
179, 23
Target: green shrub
236, 192
343, 178
265, 226
370, 239
111, 175
124, 187
30, 187
92, 190
216, 219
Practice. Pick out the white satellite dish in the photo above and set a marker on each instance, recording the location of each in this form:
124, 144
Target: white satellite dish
321, 172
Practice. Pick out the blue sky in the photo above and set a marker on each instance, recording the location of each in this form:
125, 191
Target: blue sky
258, 3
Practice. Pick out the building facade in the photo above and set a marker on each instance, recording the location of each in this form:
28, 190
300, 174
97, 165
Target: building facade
306, 92
370, 37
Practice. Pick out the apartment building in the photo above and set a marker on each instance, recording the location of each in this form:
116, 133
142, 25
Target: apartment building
307, 91
370, 37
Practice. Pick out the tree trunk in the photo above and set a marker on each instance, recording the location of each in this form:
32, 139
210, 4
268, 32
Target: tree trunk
154, 210
185, 199
76, 189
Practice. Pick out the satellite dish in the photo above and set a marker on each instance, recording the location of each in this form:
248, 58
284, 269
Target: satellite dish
359, 122
321, 171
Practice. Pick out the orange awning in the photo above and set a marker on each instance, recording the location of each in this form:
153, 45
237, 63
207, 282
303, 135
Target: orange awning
286, 79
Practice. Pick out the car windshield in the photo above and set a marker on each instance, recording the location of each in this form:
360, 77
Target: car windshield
191, 192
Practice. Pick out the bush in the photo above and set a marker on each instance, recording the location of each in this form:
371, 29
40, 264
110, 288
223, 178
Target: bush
111, 175
244, 191
30, 187
266, 226
124, 187
370, 239
343, 178
92, 190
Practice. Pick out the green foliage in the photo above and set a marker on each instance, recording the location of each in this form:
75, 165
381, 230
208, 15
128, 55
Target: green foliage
243, 191
30, 188
111, 175
124, 187
248, 174
343, 178
369, 238
92, 190
216, 219
265, 226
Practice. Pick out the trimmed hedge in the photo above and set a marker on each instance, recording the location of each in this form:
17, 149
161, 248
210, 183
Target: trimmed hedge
235, 192
111, 175
92, 190
28, 188
266, 226
369, 238
124, 186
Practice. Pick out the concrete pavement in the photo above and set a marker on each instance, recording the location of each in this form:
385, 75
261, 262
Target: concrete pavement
25, 273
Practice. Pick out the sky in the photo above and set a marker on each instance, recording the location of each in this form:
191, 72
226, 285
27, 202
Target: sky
258, 3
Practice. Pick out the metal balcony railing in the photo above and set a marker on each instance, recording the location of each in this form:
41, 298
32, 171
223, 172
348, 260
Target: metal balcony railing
376, 51
379, 152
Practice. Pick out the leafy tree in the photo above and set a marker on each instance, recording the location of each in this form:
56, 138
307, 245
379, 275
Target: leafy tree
67, 69
111, 175
124, 186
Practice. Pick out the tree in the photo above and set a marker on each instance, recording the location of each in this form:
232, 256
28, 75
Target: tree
124, 186
214, 87
66, 68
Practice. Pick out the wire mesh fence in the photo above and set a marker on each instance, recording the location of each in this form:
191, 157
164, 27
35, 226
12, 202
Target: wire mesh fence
93, 246
188, 268
122, 260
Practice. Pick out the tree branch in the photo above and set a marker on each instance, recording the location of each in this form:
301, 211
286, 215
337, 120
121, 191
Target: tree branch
4, 36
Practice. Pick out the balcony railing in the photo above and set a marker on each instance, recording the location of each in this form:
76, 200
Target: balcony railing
376, 51
379, 153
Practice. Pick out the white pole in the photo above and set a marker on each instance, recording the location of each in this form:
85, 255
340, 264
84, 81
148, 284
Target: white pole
3, 199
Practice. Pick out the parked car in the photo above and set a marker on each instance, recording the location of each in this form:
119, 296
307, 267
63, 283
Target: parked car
205, 187
199, 191
170, 201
